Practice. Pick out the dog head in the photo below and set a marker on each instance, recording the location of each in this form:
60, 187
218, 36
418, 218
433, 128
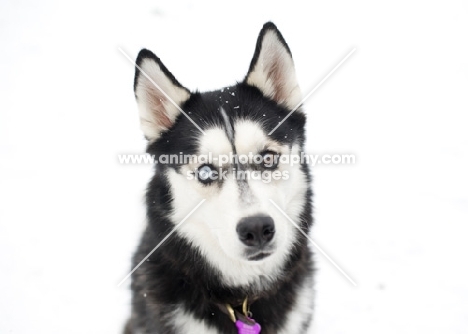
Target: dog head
226, 149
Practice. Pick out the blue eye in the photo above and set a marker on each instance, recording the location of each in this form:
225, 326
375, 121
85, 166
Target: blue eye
206, 174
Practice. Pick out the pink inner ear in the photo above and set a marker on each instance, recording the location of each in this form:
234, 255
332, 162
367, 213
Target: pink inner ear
156, 102
277, 77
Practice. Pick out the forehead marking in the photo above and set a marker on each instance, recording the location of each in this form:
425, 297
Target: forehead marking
227, 123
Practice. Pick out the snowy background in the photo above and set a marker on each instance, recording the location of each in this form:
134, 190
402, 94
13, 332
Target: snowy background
396, 221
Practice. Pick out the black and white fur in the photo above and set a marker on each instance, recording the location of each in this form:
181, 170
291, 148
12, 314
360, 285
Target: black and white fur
204, 264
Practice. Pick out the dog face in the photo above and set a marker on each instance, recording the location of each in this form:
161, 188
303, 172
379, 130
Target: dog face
218, 147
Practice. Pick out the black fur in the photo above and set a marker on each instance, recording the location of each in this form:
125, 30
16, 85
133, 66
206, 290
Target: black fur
177, 274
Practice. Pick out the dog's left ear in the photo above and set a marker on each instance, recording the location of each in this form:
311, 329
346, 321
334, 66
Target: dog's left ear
272, 68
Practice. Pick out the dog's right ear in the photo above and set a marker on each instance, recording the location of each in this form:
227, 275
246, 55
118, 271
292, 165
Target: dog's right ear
159, 95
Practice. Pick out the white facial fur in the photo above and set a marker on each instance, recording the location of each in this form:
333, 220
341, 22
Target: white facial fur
212, 227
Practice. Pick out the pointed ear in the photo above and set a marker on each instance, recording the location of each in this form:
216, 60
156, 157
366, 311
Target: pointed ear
159, 95
272, 68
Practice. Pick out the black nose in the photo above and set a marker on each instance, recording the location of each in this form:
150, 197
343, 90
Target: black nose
256, 230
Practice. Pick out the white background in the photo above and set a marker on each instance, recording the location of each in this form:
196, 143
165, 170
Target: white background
396, 221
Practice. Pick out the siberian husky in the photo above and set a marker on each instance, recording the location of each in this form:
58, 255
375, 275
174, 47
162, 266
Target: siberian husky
233, 255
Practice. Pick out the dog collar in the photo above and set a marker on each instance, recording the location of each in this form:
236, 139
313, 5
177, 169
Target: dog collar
244, 322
